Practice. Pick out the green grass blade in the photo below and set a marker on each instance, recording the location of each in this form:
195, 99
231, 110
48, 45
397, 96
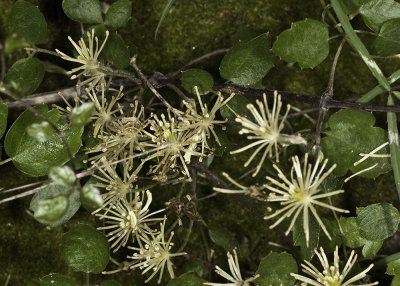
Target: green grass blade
164, 13
394, 144
378, 89
356, 43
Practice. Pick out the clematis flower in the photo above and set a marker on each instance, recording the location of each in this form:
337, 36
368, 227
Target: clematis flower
331, 274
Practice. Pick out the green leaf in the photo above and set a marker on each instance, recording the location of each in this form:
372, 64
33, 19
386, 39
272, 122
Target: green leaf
238, 104
357, 45
275, 269
86, 249
50, 210
83, 11
222, 237
187, 279
333, 229
395, 281
34, 158
116, 51
388, 41
393, 267
119, 14
248, 62
306, 43
27, 21
351, 6
377, 12
351, 133
371, 248
194, 265
40, 131
299, 237
197, 77
394, 144
62, 175
378, 221
351, 233
80, 115
3, 117
51, 191
25, 76
56, 279
110, 283
377, 90
91, 197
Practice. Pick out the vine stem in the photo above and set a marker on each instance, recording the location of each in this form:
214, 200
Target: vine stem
326, 96
152, 88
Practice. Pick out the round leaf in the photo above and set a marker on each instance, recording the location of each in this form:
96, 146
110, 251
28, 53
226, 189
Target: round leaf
197, 77
351, 133
25, 76
62, 175
248, 62
27, 21
86, 249
3, 117
275, 269
51, 210
306, 43
80, 115
351, 233
56, 279
40, 131
119, 14
35, 158
378, 221
91, 197
388, 41
377, 12
187, 279
84, 11
371, 248
52, 191
116, 51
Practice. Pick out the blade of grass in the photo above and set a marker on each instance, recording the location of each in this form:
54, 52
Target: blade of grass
394, 144
356, 43
164, 13
378, 89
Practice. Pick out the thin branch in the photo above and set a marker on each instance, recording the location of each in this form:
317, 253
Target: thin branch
44, 98
327, 95
152, 88
199, 59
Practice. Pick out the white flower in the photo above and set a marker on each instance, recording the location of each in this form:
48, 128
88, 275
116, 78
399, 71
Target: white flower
117, 186
129, 218
105, 108
331, 274
202, 122
235, 278
154, 254
301, 193
266, 131
180, 146
88, 58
